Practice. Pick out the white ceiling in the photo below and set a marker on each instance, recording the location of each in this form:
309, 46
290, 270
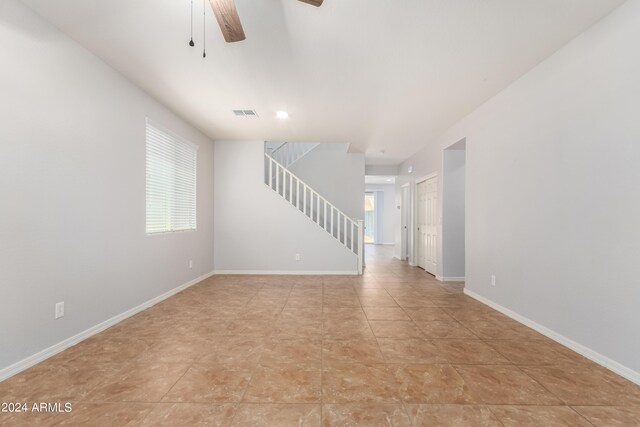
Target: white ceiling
380, 74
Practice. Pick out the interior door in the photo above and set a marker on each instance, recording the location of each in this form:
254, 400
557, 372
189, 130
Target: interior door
431, 225
421, 241
404, 226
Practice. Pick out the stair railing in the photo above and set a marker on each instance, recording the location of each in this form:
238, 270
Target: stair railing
290, 152
348, 231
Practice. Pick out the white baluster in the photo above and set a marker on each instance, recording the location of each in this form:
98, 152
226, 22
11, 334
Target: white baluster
345, 229
304, 199
290, 187
325, 215
332, 230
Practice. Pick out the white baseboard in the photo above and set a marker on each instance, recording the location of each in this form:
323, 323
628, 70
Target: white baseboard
28, 362
592, 355
450, 279
287, 273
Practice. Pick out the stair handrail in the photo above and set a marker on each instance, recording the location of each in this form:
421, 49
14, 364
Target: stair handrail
291, 152
354, 221
282, 144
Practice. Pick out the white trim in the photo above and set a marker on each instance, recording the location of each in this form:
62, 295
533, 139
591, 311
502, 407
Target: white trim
592, 355
287, 272
450, 279
34, 359
426, 177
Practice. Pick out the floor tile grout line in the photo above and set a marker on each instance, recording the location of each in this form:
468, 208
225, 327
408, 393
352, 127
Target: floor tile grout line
386, 363
396, 385
494, 414
541, 385
580, 414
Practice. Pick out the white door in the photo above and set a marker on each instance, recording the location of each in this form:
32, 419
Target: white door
404, 231
428, 224
421, 238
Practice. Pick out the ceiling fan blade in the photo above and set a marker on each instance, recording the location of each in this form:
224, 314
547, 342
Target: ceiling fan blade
316, 3
228, 20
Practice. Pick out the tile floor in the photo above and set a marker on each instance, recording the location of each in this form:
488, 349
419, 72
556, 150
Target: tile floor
392, 348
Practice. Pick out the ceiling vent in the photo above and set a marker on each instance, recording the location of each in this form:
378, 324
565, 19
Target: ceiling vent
245, 113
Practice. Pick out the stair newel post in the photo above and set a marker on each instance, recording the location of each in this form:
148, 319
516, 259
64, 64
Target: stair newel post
360, 246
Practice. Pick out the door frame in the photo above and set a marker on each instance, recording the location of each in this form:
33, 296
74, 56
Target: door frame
414, 229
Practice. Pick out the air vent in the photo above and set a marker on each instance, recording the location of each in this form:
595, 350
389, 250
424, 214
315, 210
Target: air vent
245, 113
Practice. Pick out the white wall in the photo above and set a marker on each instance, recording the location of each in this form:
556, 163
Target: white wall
552, 191
337, 175
381, 170
389, 215
72, 191
453, 212
257, 230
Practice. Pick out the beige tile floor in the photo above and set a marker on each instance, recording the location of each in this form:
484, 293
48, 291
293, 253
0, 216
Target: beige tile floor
391, 348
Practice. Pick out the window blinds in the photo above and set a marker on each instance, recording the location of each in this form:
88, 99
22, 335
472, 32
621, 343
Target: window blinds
171, 182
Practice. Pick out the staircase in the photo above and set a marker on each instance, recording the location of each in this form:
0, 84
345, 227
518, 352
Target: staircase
307, 201
287, 153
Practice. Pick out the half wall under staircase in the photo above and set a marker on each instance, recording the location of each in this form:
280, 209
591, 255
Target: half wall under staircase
348, 231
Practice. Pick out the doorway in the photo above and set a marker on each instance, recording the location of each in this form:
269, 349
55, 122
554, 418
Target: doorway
427, 224
453, 212
369, 217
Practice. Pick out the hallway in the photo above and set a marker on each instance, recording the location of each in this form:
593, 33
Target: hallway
393, 347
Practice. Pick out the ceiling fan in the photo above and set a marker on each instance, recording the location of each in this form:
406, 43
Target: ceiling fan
229, 21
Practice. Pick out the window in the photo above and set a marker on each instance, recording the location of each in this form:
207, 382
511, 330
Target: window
171, 182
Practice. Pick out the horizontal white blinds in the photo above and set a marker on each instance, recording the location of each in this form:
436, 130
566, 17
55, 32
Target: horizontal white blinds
171, 182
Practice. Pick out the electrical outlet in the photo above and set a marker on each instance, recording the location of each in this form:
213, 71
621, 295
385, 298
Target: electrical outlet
190, 263
493, 280
59, 310
298, 257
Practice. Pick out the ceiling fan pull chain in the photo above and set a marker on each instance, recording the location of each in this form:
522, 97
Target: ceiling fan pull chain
191, 43
204, 29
